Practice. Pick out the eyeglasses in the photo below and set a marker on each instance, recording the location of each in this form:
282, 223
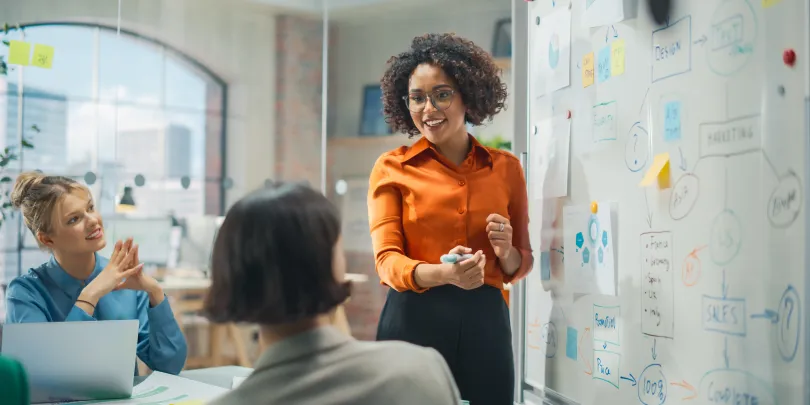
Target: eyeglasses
441, 100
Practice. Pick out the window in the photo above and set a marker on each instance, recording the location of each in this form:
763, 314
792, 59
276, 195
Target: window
129, 110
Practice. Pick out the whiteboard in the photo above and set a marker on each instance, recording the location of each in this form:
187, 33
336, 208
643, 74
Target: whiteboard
709, 304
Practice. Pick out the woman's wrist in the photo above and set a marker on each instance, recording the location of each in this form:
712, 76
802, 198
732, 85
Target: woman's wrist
156, 296
90, 295
429, 275
511, 262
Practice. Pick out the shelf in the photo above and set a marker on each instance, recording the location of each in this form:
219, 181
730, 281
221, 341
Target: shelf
504, 63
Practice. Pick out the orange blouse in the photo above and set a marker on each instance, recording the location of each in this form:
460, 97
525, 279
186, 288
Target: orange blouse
421, 205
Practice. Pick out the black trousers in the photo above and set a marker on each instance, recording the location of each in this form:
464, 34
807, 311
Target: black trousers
469, 328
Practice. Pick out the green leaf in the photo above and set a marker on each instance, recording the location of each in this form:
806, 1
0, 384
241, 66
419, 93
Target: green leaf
26, 144
35, 128
7, 204
5, 179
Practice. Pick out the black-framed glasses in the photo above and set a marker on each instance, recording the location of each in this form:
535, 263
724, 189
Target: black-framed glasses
441, 100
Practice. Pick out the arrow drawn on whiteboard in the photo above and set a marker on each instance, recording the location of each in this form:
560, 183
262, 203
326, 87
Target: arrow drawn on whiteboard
649, 213
682, 165
701, 41
631, 379
644, 100
685, 385
607, 33
654, 354
579, 350
725, 350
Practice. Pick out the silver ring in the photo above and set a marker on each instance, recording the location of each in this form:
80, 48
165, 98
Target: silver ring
501, 230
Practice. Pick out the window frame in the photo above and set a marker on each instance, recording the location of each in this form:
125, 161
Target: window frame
168, 51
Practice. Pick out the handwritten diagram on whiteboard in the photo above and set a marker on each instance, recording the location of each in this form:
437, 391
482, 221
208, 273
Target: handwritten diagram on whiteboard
689, 287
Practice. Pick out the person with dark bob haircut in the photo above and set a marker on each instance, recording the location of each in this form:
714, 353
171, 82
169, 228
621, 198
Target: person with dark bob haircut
278, 262
449, 217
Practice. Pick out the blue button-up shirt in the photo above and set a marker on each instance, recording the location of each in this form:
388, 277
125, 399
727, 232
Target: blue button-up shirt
48, 294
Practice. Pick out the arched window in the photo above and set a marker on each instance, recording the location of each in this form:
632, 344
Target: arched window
116, 110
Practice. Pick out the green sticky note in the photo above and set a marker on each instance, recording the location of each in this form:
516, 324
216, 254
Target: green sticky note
43, 56
19, 53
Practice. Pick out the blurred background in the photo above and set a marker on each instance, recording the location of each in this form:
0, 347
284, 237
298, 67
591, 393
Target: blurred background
171, 110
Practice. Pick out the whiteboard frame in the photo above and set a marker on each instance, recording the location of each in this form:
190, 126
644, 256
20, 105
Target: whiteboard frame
520, 103
806, 51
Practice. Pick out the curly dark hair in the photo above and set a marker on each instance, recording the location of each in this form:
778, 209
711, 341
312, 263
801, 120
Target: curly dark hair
474, 71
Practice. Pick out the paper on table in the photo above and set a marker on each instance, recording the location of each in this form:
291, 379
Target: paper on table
590, 266
237, 381
162, 388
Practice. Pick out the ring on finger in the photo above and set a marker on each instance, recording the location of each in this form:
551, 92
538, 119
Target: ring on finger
501, 228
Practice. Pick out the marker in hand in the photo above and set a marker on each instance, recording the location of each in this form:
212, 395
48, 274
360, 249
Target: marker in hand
454, 258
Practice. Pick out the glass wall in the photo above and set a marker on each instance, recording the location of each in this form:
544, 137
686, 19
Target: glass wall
115, 110
183, 107
180, 107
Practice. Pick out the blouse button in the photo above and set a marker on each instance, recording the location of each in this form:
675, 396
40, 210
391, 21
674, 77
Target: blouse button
461, 182
461, 210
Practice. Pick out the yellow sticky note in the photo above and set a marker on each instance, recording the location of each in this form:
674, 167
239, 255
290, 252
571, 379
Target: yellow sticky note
770, 3
192, 402
617, 57
43, 56
659, 170
19, 53
587, 70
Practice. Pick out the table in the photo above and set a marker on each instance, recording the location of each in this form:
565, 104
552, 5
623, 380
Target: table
219, 376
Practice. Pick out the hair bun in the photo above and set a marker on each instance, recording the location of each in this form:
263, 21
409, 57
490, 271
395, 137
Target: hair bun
23, 185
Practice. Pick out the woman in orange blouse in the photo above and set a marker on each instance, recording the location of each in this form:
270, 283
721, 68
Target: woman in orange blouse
447, 193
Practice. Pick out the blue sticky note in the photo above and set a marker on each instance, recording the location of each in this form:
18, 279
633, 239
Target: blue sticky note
545, 266
672, 121
603, 65
571, 344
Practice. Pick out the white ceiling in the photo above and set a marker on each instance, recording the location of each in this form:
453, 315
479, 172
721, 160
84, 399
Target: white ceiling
358, 10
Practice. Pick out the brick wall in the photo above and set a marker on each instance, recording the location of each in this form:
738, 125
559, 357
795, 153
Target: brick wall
299, 70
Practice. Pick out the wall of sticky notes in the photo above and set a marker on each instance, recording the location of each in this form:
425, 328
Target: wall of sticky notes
673, 269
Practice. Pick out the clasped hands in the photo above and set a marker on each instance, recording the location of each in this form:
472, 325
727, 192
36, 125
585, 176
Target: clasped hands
468, 274
123, 272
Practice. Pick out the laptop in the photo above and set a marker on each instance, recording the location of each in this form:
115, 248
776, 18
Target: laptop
75, 361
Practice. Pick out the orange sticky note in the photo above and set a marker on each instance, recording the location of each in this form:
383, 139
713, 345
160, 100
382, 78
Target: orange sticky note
19, 53
43, 56
587, 70
659, 171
